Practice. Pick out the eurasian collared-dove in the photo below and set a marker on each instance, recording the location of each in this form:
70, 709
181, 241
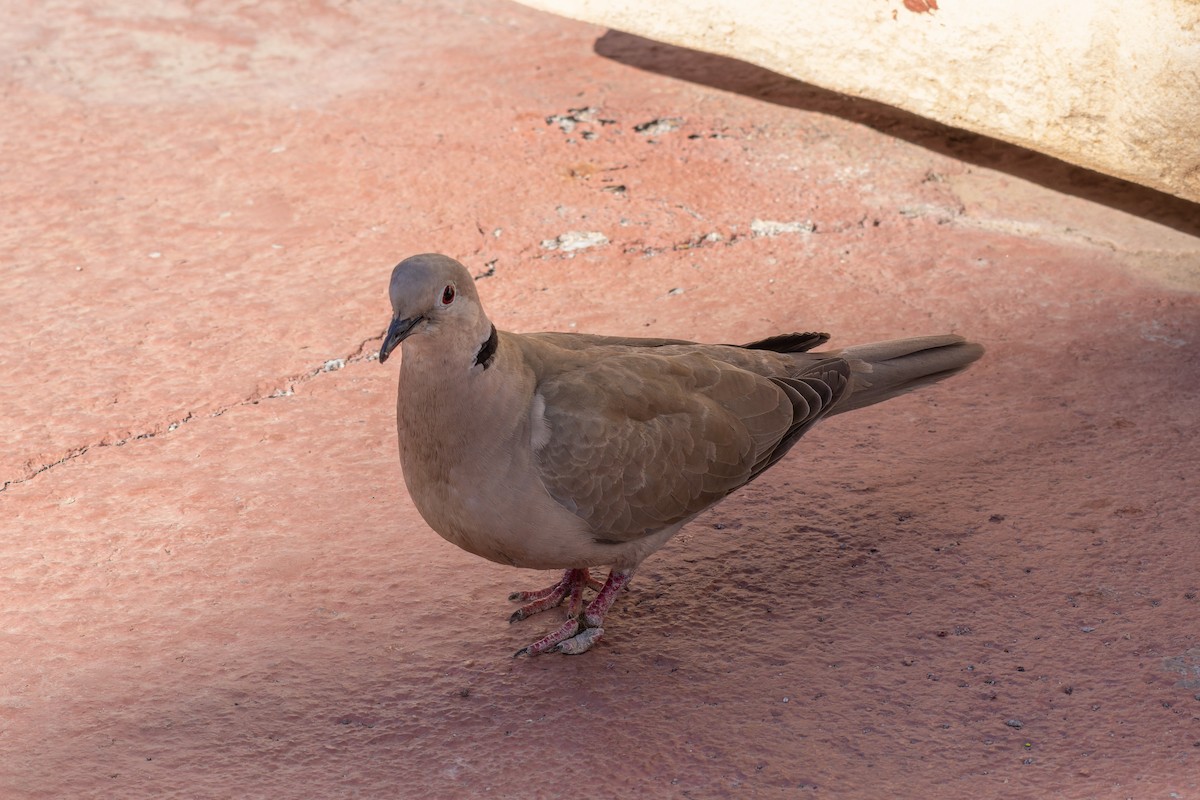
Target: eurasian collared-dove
571, 451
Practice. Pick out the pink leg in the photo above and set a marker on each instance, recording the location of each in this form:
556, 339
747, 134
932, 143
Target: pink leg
576, 603
577, 635
618, 579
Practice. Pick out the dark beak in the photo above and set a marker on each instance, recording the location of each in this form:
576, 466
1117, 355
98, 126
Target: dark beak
397, 332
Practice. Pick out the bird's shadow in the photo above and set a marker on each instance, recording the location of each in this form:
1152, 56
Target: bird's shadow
746, 79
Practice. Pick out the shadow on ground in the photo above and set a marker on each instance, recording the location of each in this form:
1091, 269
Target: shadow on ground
732, 75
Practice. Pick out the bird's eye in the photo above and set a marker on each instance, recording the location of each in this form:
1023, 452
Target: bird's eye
447, 295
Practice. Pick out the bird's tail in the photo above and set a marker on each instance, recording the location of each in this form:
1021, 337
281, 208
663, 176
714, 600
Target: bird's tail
883, 370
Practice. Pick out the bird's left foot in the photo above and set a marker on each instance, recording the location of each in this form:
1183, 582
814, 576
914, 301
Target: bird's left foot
580, 631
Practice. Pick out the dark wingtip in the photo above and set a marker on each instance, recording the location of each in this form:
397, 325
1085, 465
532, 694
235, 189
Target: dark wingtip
789, 342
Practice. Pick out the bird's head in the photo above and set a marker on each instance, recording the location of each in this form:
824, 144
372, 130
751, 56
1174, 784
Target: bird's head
432, 295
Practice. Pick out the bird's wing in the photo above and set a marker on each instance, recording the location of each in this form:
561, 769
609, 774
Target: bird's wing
640, 440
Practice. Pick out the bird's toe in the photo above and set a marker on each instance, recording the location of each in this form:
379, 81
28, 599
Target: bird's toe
579, 643
550, 640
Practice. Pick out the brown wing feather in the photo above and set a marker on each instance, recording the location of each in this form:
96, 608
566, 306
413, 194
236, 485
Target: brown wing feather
641, 440
814, 393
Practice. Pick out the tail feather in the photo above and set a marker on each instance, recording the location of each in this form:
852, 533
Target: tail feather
882, 370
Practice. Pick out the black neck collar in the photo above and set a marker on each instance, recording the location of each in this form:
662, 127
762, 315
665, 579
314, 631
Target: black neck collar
487, 350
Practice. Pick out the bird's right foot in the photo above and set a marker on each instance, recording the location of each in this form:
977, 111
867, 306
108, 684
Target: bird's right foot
572, 584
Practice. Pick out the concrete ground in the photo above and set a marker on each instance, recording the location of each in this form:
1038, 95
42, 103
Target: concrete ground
216, 586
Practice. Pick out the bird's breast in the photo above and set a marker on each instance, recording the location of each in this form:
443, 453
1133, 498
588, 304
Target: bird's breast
470, 470
496, 509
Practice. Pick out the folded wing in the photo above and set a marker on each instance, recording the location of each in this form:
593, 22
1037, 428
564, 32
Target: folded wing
642, 439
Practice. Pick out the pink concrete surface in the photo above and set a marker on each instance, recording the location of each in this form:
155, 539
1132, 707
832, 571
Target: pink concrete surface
215, 585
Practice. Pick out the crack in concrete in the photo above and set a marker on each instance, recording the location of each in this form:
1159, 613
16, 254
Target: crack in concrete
758, 229
364, 352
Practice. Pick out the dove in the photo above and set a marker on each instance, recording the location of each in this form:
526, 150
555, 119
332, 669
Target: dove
572, 452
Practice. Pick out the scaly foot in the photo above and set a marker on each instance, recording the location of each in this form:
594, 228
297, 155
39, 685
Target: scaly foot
580, 631
571, 584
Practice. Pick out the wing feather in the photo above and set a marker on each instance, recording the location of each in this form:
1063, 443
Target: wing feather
641, 439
